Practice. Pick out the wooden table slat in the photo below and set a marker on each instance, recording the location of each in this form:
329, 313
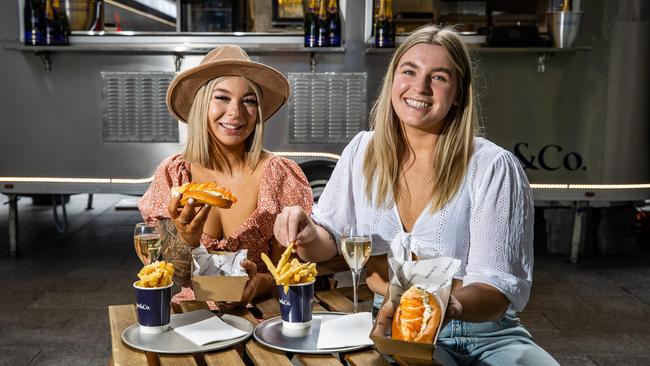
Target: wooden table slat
318, 360
120, 318
269, 307
229, 357
261, 355
366, 358
335, 301
176, 360
404, 361
365, 294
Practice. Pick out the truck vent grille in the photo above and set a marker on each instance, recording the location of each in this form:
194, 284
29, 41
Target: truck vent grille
326, 107
134, 109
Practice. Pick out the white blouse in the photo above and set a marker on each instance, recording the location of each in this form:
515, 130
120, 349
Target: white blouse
488, 224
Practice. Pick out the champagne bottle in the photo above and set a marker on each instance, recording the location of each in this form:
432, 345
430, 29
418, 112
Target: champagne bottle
384, 38
333, 24
62, 33
380, 25
311, 24
390, 24
34, 23
98, 23
566, 5
321, 39
50, 24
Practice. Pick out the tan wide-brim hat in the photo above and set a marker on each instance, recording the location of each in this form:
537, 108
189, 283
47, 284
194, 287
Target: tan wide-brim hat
227, 61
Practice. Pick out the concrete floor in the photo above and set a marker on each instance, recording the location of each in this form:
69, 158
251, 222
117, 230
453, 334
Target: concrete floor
57, 291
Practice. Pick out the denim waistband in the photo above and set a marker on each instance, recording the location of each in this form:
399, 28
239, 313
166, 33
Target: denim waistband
509, 324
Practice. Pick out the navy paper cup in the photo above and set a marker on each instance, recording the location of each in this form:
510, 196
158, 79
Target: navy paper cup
295, 305
153, 308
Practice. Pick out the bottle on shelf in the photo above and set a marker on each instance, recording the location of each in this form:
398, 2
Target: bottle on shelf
50, 24
33, 12
322, 21
333, 24
390, 23
98, 22
566, 5
311, 24
384, 26
62, 33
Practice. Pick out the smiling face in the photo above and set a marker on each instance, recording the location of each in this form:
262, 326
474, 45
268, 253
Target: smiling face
424, 87
232, 112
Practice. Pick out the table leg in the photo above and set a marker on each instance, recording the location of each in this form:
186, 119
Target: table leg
13, 224
577, 231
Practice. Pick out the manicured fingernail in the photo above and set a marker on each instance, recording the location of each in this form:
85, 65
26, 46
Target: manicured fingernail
176, 193
190, 201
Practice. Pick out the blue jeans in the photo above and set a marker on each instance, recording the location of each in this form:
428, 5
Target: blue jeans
504, 342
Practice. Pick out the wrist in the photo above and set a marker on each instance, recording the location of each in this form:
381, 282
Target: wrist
190, 243
267, 283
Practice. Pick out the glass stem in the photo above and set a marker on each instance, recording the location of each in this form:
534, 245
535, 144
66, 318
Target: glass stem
355, 284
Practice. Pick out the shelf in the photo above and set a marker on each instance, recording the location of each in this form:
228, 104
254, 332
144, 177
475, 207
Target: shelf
175, 49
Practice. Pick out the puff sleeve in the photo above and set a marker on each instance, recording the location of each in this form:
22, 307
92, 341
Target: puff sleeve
337, 205
172, 172
501, 230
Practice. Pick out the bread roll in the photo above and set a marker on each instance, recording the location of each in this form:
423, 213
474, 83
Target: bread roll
208, 193
417, 317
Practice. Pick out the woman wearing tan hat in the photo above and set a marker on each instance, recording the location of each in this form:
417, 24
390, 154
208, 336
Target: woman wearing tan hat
225, 102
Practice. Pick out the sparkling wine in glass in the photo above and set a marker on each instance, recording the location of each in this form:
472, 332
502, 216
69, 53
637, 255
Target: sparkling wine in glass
356, 245
146, 238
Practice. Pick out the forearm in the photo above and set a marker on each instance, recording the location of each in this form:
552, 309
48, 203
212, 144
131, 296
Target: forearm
481, 303
266, 285
176, 251
377, 274
321, 248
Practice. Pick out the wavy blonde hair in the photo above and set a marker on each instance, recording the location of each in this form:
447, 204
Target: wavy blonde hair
203, 148
388, 146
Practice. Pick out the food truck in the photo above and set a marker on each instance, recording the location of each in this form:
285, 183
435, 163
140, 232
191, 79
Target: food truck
90, 116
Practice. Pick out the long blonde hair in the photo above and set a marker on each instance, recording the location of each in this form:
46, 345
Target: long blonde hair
388, 146
202, 147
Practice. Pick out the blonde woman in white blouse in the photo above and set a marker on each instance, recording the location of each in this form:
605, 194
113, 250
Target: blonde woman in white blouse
427, 186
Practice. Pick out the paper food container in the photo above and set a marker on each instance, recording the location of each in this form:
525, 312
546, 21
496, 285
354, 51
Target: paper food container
436, 275
218, 287
421, 351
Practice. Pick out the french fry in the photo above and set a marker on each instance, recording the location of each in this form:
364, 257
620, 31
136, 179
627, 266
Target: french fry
156, 274
285, 256
290, 272
269, 265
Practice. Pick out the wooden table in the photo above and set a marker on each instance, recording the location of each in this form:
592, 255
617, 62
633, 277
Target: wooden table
245, 353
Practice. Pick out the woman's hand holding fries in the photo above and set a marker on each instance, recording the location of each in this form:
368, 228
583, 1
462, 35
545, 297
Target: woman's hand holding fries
293, 225
312, 242
290, 272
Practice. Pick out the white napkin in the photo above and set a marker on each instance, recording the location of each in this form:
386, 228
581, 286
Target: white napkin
346, 331
202, 327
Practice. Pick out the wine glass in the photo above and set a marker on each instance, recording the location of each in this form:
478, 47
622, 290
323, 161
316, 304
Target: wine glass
356, 245
146, 238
